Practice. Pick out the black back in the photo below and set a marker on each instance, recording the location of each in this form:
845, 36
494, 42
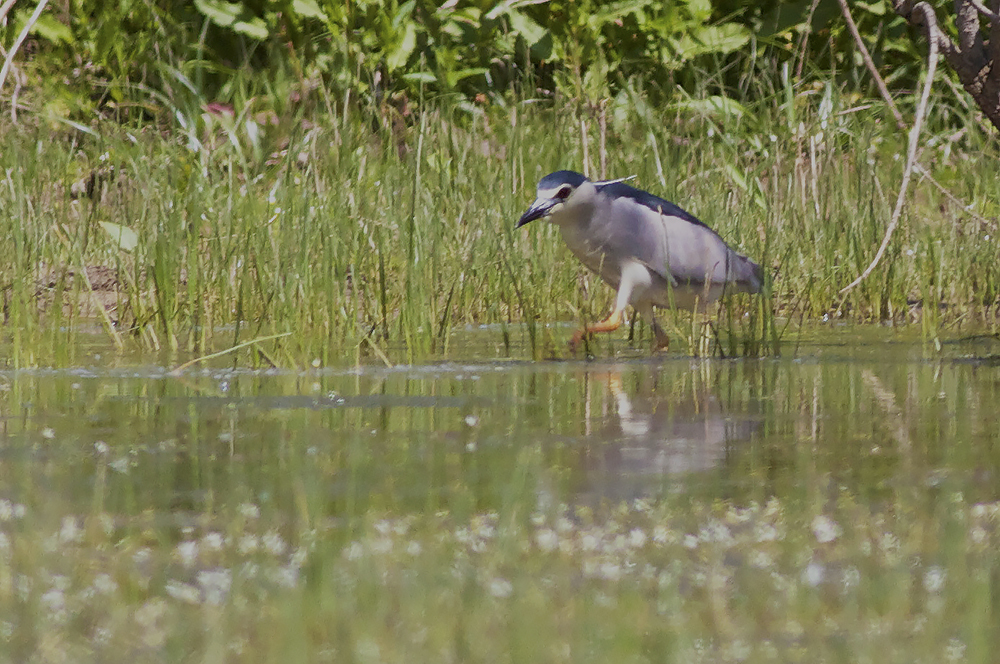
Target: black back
654, 203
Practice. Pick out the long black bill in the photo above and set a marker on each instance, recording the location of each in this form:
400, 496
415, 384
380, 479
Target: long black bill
538, 209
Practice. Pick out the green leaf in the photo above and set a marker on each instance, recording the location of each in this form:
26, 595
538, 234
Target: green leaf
526, 27
125, 238
398, 56
419, 77
219, 12
50, 29
616, 10
308, 8
712, 39
233, 15
714, 105
701, 10
255, 28
456, 76
403, 13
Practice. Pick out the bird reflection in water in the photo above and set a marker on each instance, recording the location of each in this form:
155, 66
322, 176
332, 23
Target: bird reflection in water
653, 436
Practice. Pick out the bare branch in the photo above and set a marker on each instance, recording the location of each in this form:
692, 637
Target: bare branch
930, 21
870, 64
20, 39
967, 22
981, 8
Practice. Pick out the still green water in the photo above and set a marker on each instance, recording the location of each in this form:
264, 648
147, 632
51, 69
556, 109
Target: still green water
839, 503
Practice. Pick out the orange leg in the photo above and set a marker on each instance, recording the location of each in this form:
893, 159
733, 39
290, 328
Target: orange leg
609, 324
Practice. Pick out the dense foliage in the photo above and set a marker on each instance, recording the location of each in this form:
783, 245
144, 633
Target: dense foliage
154, 52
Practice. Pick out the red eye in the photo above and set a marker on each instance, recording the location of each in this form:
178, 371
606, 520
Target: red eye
564, 192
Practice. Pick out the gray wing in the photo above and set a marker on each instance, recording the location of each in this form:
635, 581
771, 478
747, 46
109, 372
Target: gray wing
680, 251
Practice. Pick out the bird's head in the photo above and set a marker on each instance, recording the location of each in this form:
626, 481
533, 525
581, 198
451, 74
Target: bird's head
554, 191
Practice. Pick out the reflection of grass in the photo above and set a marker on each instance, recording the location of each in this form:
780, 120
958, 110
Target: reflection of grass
831, 510
350, 237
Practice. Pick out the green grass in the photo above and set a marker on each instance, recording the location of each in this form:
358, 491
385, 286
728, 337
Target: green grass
359, 230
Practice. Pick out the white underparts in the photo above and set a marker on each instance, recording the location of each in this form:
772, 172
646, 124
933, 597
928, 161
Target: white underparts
634, 282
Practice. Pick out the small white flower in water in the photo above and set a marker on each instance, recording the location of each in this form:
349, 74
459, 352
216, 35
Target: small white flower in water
187, 552
825, 529
589, 542
500, 587
317, 363
978, 535
546, 539
471, 420
381, 545
690, 542
54, 601
101, 447
954, 651
414, 548
470, 446
851, 578
182, 592
120, 465
287, 576
813, 574
610, 571
660, 534
354, 551
248, 544
760, 560
636, 538
934, 579
70, 531
104, 584
142, 556
715, 531
249, 511
48, 433
563, 525
273, 543
215, 584
212, 541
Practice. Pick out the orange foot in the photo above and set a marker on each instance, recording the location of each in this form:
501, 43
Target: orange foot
609, 324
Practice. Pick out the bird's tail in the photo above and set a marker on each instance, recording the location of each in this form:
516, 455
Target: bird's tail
747, 276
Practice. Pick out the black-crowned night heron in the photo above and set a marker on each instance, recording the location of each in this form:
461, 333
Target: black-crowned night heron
652, 252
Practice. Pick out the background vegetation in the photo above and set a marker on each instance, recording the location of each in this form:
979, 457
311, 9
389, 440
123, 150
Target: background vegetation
206, 173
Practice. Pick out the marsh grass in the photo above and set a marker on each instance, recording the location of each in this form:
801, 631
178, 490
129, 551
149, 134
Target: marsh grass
359, 228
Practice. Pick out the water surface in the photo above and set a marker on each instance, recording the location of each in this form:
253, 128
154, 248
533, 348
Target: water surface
837, 503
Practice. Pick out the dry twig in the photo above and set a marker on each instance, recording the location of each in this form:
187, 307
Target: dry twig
911, 148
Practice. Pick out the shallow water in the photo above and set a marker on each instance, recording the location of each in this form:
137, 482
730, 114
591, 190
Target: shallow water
839, 502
